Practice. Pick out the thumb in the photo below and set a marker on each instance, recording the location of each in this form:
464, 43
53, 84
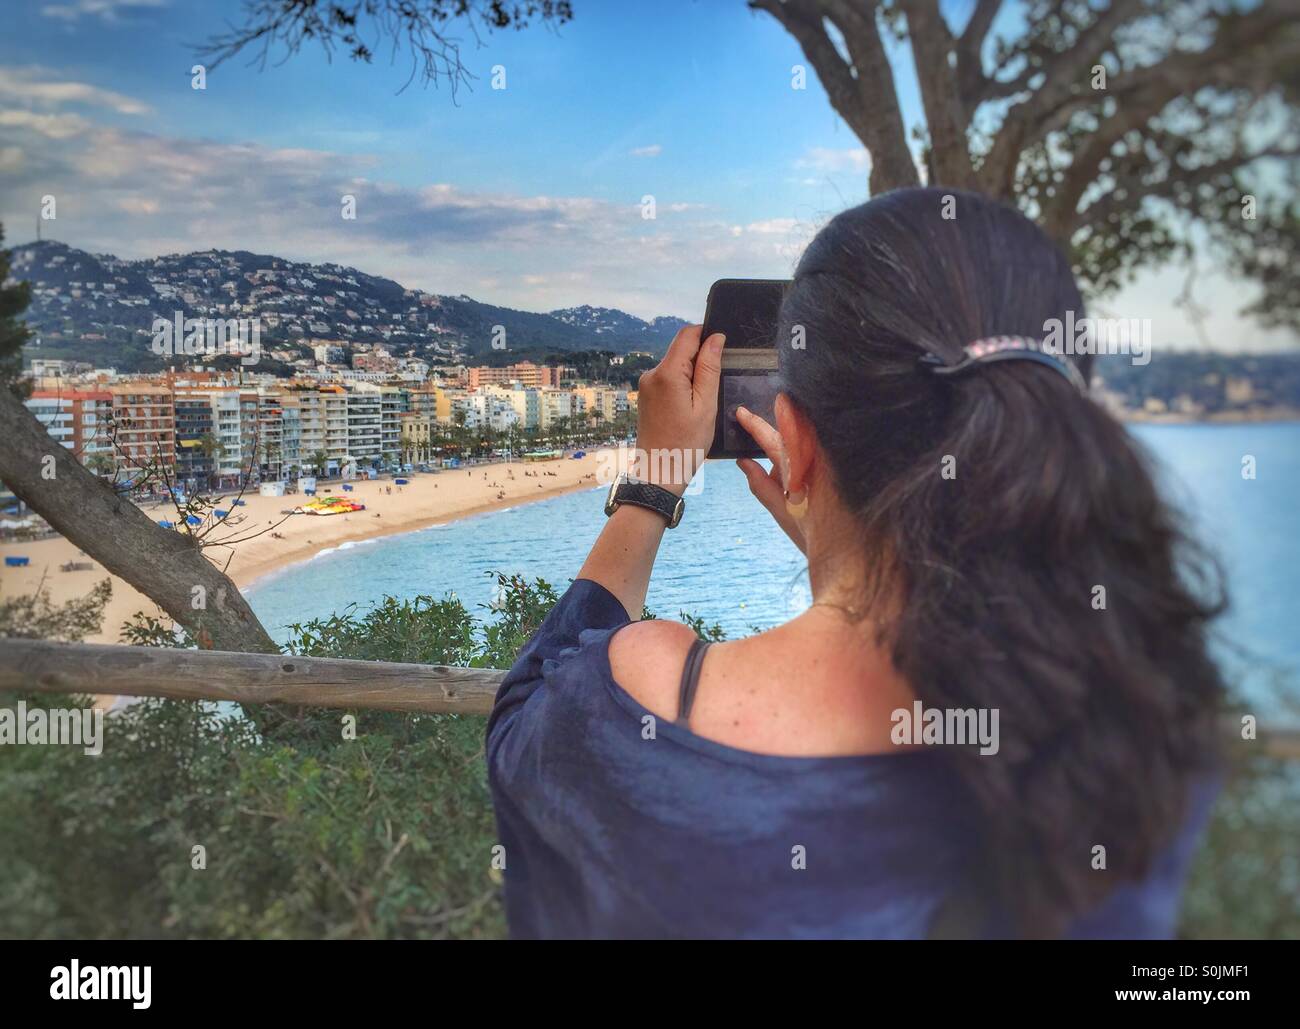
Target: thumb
708, 367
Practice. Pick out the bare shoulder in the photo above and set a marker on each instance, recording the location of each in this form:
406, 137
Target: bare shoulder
792, 691
646, 659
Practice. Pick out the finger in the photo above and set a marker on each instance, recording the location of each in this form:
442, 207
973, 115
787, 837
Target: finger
766, 489
776, 475
708, 368
773, 473
682, 350
765, 435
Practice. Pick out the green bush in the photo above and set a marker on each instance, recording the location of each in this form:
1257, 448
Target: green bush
309, 834
305, 833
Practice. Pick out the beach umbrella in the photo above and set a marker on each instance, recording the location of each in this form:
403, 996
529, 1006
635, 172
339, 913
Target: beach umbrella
220, 513
166, 524
194, 520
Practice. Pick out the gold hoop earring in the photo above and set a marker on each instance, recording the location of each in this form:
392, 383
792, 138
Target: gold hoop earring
796, 508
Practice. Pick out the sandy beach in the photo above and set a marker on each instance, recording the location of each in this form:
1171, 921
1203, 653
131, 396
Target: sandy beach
428, 499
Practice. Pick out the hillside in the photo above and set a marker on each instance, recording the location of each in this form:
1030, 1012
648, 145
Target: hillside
100, 308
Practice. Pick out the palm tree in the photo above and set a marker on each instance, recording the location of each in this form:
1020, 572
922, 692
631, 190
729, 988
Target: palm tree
100, 464
209, 446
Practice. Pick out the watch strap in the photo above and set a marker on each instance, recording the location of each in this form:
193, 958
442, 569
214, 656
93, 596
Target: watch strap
647, 494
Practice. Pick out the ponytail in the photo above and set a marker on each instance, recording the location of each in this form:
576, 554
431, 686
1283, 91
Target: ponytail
1039, 572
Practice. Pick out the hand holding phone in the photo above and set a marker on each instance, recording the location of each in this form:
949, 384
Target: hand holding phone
676, 409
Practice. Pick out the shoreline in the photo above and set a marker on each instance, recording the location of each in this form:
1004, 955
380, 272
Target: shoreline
1262, 416
256, 575
266, 541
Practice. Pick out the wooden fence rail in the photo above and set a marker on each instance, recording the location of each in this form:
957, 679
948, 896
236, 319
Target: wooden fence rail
43, 666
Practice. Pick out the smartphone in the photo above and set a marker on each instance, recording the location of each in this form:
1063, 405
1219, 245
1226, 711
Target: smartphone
746, 311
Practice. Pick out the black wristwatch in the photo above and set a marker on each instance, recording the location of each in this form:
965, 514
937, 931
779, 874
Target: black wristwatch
626, 490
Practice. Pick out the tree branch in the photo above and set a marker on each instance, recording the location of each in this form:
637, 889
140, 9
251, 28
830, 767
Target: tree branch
862, 92
163, 565
945, 115
970, 49
1144, 93
1064, 72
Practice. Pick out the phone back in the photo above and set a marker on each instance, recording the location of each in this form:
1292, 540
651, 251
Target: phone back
746, 312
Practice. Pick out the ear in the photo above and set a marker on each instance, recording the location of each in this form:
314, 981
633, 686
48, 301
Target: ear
800, 442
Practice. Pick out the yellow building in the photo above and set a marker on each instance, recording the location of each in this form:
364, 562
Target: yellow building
418, 431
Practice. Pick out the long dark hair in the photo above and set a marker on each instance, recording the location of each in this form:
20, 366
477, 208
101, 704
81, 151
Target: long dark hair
1106, 714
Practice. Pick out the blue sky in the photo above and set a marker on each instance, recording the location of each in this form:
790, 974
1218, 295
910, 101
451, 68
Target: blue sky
528, 196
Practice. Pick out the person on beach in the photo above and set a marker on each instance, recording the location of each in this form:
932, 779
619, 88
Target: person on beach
997, 718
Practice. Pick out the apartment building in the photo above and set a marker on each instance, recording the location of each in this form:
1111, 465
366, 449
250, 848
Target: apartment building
216, 430
526, 373
486, 410
365, 417
390, 425
524, 401
603, 403
447, 399
144, 427
290, 435
303, 412
236, 428
434, 400
54, 412
270, 435
556, 405
195, 441
335, 403
81, 420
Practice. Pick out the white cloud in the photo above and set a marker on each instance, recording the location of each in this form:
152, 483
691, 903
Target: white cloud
54, 126
31, 87
775, 227
138, 194
654, 150
826, 159
105, 10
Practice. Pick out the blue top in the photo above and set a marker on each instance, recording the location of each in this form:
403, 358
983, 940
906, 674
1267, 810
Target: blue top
618, 823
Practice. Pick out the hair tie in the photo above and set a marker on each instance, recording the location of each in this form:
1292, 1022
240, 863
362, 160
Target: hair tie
1004, 348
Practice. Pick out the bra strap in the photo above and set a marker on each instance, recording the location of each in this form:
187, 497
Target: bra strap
690, 681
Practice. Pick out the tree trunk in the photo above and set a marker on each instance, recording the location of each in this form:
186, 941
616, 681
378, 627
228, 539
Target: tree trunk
164, 565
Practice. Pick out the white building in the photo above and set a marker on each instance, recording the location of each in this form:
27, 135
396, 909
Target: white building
485, 409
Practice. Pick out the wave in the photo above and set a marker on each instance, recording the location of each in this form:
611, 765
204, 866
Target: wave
348, 545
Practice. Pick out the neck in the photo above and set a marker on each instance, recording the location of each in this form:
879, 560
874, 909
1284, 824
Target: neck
839, 582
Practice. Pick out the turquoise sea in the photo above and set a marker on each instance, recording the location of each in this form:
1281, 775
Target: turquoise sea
730, 564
